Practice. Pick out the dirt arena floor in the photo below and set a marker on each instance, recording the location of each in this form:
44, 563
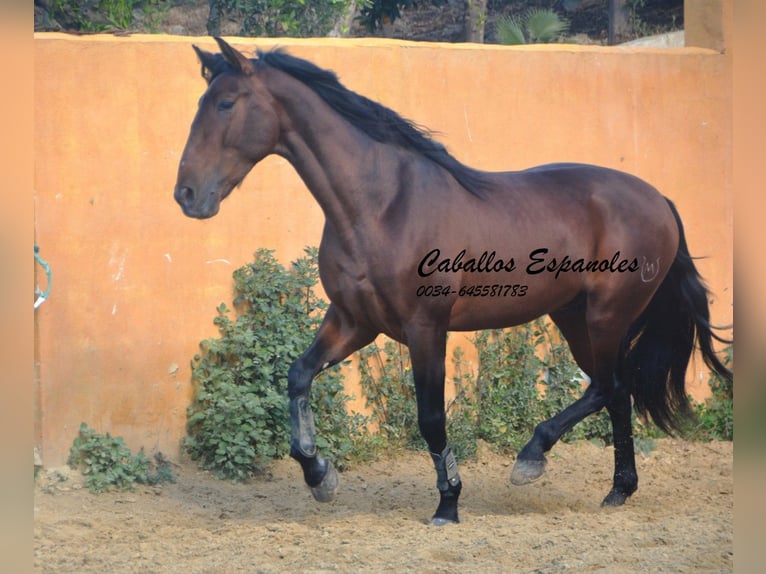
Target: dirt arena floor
680, 520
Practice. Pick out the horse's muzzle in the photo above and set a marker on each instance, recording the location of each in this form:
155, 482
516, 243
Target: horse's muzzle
195, 206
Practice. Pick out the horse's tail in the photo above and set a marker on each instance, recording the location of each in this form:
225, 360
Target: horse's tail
657, 349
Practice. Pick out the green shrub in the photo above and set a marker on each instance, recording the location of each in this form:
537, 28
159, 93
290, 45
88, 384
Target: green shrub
239, 420
527, 375
508, 401
563, 384
108, 464
715, 416
501, 406
389, 390
462, 410
284, 17
537, 25
510, 370
100, 15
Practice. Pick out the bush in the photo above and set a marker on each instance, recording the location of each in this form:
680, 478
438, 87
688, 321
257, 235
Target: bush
389, 389
462, 410
564, 383
101, 15
239, 419
506, 392
501, 406
282, 17
537, 25
527, 375
108, 464
715, 417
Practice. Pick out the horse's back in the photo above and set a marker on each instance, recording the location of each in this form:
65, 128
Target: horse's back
575, 191
577, 179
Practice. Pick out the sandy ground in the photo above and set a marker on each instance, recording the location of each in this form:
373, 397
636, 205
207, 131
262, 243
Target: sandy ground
680, 520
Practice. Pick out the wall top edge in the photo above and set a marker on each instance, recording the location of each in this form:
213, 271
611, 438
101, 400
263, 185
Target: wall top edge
363, 42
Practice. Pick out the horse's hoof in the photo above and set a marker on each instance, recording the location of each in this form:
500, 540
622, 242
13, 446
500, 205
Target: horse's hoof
436, 521
527, 471
325, 490
615, 498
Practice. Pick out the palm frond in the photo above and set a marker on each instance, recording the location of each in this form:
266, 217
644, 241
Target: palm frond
509, 31
544, 25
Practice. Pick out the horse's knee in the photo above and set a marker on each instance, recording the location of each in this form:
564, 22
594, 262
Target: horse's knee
431, 419
298, 380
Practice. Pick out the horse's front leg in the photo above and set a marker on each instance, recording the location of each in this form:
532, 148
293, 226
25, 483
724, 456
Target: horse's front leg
427, 352
333, 342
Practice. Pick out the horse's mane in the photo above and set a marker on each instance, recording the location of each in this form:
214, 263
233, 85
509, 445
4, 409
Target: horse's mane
377, 121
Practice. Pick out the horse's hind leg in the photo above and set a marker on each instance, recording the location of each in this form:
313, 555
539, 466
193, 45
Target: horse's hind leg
530, 463
333, 342
625, 481
594, 333
606, 334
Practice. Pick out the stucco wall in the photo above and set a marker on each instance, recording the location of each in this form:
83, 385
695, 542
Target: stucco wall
137, 283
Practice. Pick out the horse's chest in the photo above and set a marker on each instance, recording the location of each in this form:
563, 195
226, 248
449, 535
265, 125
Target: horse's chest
345, 287
358, 291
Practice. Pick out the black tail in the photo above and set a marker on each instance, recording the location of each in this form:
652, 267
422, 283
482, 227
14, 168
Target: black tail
660, 343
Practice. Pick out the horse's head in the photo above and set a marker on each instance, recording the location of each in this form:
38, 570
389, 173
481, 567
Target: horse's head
235, 127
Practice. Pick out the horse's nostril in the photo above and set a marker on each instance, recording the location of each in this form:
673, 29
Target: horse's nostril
184, 195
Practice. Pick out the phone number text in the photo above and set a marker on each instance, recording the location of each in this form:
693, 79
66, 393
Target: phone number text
514, 290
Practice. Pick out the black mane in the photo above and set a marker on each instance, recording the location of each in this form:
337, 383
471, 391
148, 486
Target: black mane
378, 122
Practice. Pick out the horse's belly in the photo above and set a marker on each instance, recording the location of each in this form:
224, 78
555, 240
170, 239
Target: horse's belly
506, 304
480, 317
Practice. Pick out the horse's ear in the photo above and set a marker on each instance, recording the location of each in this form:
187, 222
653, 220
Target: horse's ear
208, 62
237, 60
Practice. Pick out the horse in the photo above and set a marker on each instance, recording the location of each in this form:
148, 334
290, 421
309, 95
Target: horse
416, 244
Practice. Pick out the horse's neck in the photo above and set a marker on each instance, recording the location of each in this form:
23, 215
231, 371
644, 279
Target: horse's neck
336, 161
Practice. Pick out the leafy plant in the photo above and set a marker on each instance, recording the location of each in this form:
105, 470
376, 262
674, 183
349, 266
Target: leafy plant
389, 389
239, 419
108, 464
515, 390
99, 15
537, 25
506, 385
715, 416
462, 410
374, 14
563, 383
282, 17
527, 375
640, 28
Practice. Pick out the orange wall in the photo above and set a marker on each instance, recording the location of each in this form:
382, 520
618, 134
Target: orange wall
136, 283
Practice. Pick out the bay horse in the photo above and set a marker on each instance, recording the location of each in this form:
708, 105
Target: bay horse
416, 244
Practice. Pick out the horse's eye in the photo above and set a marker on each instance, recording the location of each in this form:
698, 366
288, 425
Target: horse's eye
225, 105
